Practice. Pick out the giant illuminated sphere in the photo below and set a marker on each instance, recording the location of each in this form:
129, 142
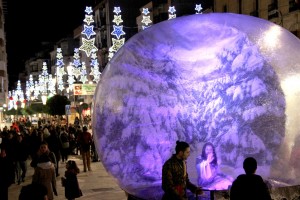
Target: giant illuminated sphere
229, 79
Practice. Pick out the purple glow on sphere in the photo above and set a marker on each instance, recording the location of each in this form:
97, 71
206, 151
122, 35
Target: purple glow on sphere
227, 79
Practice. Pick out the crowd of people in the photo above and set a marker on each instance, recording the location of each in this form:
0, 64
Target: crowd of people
44, 147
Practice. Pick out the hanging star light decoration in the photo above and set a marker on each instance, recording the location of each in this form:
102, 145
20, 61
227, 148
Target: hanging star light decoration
172, 11
51, 86
88, 31
83, 77
145, 19
88, 9
117, 32
19, 89
31, 83
44, 79
88, 19
36, 91
117, 19
145, 11
117, 10
71, 79
198, 9
60, 71
88, 44
95, 69
117, 44
44, 69
76, 63
27, 91
41, 83
110, 54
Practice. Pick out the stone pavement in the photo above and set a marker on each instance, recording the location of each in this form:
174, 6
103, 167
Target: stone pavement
95, 185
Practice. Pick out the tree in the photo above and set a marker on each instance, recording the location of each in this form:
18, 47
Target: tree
57, 104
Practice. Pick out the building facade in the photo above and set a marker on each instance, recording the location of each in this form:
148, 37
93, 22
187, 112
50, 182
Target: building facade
3, 63
285, 13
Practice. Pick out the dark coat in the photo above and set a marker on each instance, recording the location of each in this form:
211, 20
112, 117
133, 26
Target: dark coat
173, 182
249, 187
71, 185
6, 176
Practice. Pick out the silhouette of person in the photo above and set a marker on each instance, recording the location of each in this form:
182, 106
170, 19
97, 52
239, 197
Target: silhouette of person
175, 179
33, 191
249, 186
209, 175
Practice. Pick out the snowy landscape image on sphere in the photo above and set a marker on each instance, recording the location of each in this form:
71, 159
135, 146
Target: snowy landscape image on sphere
227, 80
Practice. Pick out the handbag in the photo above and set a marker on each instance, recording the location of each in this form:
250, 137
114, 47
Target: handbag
63, 181
65, 145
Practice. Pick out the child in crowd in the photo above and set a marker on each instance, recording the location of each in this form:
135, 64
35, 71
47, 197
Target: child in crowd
70, 181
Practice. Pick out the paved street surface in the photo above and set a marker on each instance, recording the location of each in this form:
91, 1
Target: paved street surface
95, 185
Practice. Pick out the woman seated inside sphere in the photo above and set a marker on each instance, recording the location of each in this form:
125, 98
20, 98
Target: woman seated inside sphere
209, 176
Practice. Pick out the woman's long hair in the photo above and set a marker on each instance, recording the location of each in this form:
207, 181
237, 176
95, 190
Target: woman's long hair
72, 165
204, 156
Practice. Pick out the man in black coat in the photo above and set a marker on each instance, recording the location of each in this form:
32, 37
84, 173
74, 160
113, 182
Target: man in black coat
249, 186
6, 174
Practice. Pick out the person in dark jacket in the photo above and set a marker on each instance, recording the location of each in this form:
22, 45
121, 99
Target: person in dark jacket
249, 186
33, 191
21, 155
175, 179
54, 146
6, 174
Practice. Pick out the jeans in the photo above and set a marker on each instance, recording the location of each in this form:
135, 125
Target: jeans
21, 169
86, 158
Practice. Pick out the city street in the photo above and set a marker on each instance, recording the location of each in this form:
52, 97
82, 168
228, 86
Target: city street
95, 185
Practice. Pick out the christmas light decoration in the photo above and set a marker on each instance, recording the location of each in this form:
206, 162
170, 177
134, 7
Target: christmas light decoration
27, 92
43, 79
88, 44
76, 63
88, 19
95, 69
51, 86
31, 83
88, 31
117, 44
18, 92
117, 32
36, 91
172, 11
146, 19
198, 9
60, 71
83, 77
71, 79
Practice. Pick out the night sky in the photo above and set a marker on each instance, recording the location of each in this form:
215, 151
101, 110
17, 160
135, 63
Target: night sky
31, 22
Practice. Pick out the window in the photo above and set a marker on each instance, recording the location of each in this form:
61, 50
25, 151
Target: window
293, 5
273, 10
